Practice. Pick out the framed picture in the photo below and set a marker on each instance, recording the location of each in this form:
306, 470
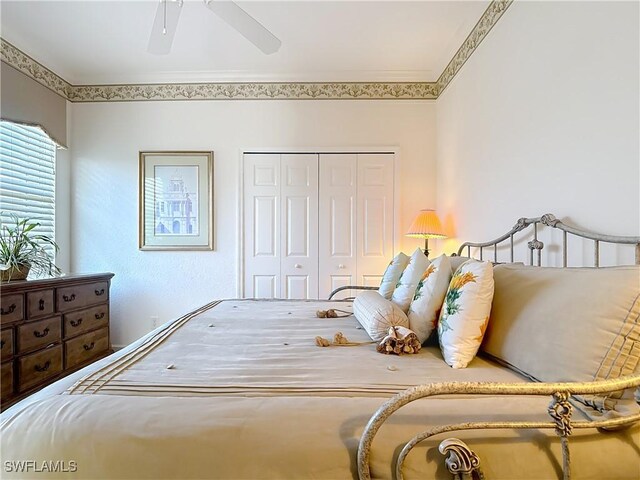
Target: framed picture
176, 201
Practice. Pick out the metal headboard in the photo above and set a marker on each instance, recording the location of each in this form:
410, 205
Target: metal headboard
461, 461
536, 245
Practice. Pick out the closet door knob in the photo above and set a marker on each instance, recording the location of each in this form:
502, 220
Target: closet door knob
341, 265
297, 265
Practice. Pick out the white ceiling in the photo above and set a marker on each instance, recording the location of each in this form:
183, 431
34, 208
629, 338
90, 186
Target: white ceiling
104, 42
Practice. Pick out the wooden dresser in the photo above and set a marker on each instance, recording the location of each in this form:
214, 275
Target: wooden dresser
51, 327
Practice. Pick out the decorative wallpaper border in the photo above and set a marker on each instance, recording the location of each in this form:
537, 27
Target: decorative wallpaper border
257, 91
24, 63
253, 91
487, 21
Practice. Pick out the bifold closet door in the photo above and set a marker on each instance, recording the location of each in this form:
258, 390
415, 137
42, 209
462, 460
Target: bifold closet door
374, 217
299, 226
338, 183
281, 226
262, 277
356, 219
313, 223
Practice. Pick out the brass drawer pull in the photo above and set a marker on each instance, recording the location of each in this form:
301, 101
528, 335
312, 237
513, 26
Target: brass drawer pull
99, 316
69, 298
41, 304
76, 323
90, 346
44, 333
45, 368
11, 309
99, 292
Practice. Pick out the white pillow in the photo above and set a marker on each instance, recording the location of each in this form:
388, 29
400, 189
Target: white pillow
392, 275
427, 301
376, 314
465, 314
408, 282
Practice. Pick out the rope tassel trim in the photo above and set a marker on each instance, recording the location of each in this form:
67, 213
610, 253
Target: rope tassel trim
339, 340
400, 340
332, 313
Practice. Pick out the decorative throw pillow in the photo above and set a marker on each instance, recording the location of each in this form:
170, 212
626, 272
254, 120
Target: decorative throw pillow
408, 282
376, 314
465, 314
567, 324
392, 275
427, 301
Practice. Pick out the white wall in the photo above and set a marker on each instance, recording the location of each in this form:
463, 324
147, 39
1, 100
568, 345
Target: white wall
544, 118
105, 142
63, 202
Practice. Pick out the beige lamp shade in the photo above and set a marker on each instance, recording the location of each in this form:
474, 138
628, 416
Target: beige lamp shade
426, 225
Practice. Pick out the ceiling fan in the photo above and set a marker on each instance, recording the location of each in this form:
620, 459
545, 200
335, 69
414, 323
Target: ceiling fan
168, 13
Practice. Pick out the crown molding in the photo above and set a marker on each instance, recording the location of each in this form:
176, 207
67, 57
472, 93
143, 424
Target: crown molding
243, 76
19, 60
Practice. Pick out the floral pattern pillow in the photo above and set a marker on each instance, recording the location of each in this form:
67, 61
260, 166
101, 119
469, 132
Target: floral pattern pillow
428, 297
408, 281
392, 274
465, 314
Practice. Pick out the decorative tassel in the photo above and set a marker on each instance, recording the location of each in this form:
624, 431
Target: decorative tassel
332, 313
400, 340
339, 340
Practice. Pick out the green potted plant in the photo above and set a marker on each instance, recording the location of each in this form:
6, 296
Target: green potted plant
22, 251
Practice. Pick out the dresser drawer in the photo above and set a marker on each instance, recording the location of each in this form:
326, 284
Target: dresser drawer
6, 388
76, 323
37, 367
85, 347
78, 296
6, 345
12, 308
34, 335
40, 303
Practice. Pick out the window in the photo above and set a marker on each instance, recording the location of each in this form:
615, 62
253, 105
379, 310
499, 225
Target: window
27, 176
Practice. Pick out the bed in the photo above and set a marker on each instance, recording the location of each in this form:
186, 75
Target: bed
239, 389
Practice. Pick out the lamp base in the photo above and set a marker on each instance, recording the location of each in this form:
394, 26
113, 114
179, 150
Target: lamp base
426, 247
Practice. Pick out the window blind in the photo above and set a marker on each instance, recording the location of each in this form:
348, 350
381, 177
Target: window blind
27, 177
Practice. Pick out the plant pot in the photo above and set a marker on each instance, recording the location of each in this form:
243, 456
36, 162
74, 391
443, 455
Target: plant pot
15, 273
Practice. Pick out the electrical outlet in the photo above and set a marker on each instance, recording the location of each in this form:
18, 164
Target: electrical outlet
154, 321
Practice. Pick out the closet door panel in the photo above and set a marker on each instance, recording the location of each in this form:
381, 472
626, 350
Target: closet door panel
374, 217
299, 226
338, 184
262, 226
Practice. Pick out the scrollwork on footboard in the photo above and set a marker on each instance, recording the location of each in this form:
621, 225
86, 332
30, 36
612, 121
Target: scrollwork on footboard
461, 461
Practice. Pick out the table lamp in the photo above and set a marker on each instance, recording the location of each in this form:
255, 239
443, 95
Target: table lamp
426, 225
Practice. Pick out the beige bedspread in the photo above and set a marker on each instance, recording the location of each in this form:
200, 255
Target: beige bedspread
239, 390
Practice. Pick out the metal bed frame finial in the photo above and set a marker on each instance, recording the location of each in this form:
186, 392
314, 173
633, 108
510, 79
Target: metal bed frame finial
460, 460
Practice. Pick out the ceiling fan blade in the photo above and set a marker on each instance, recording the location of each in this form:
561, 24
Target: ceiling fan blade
244, 23
159, 42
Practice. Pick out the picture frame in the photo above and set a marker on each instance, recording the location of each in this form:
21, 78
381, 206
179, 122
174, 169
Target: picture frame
175, 200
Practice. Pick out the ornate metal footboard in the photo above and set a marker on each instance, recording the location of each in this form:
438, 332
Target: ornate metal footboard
460, 460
